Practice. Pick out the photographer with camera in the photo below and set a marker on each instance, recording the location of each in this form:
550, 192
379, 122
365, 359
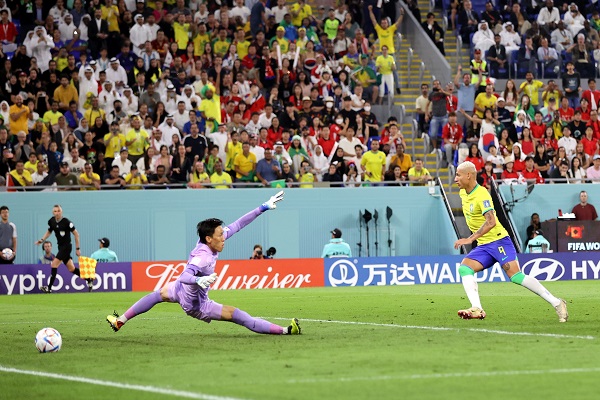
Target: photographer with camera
257, 253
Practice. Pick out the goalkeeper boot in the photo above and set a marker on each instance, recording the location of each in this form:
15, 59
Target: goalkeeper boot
46, 289
114, 323
561, 310
90, 283
294, 328
472, 313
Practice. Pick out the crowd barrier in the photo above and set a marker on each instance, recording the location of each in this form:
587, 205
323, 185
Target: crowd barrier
297, 273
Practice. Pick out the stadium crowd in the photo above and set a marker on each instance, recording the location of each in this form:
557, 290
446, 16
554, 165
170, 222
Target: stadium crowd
538, 131
105, 94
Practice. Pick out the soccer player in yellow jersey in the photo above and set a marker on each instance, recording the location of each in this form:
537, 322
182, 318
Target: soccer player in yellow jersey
493, 245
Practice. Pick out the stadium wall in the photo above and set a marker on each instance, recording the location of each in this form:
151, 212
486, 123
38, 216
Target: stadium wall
161, 224
297, 273
545, 200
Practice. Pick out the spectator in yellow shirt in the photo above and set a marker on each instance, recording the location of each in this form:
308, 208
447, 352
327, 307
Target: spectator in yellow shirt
20, 176
220, 179
89, 178
373, 163
386, 34
299, 11
386, 65
135, 179
65, 93
31, 165
137, 140
531, 88
419, 174
244, 164
19, 115
485, 100
51, 116
114, 142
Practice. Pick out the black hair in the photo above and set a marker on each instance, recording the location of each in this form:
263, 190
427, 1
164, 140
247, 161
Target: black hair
4, 208
207, 228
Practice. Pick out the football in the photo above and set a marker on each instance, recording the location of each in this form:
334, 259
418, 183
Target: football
48, 340
7, 253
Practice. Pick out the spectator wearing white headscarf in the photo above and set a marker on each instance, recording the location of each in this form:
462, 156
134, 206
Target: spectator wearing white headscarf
40, 45
483, 39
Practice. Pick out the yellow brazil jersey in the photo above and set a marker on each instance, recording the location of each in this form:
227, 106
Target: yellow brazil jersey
484, 102
138, 147
181, 34
373, 163
242, 48
385, 64
532, 90
221, 47
231, 151
111, 16
199, 44
306, 179
475, 205
303, 12
52, 117
224, 180
244, 164
84, 180
386, 37
114, 144
284, 44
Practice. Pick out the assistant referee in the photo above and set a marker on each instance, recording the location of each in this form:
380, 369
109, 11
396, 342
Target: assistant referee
62, 229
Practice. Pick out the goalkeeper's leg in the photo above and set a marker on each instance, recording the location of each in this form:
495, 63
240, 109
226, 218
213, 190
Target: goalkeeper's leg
258, 325
141, 306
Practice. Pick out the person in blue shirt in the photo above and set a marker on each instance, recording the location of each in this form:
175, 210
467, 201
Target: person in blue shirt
336, 246
103, 254
538, 243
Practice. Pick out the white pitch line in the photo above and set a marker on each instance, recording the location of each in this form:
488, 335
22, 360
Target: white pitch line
141, 388
440, 328
448, 375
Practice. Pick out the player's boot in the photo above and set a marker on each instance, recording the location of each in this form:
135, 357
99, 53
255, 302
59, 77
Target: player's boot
294, 328
90, 283
561, 310
114, 323
472, 313
45, 289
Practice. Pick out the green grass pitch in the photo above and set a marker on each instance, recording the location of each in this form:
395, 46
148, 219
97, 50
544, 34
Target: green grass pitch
357, 343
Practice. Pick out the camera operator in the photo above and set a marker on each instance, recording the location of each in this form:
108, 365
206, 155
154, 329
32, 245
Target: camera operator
257, 253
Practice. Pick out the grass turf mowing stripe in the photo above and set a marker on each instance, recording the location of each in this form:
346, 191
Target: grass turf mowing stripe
441, 328
480, 374
141, 388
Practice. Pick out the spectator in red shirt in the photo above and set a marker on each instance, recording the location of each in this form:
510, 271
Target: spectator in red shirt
565, 112
326, 141
590, 144
591, 95
519, 157
475, 157
530, 173
452, 100
509, 174
584, 211
452, 135
584, 108
594, 123
537, 127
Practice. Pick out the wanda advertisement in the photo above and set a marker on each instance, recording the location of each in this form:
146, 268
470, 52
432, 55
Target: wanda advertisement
235, 274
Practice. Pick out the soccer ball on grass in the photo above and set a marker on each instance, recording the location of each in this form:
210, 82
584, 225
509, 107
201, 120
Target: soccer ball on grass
48, 340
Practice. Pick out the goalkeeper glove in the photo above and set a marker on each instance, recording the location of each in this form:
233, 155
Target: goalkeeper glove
270, 204
205, 281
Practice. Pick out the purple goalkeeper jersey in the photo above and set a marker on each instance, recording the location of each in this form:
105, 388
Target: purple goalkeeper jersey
202, 262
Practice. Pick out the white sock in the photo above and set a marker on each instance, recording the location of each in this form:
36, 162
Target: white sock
470, 285
122, 318
536, 287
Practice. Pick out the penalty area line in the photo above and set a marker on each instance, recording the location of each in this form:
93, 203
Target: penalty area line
118, 385
480, 374
442, 328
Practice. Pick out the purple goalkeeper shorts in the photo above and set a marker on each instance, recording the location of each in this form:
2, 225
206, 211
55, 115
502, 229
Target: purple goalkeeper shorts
501, 251
194, 305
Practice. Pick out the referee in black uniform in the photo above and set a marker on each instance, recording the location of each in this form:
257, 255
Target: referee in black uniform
62, 228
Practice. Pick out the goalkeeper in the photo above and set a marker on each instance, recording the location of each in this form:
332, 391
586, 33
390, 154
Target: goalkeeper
190, 290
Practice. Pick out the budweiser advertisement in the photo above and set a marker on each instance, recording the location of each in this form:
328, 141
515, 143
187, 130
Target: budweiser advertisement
236, 274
